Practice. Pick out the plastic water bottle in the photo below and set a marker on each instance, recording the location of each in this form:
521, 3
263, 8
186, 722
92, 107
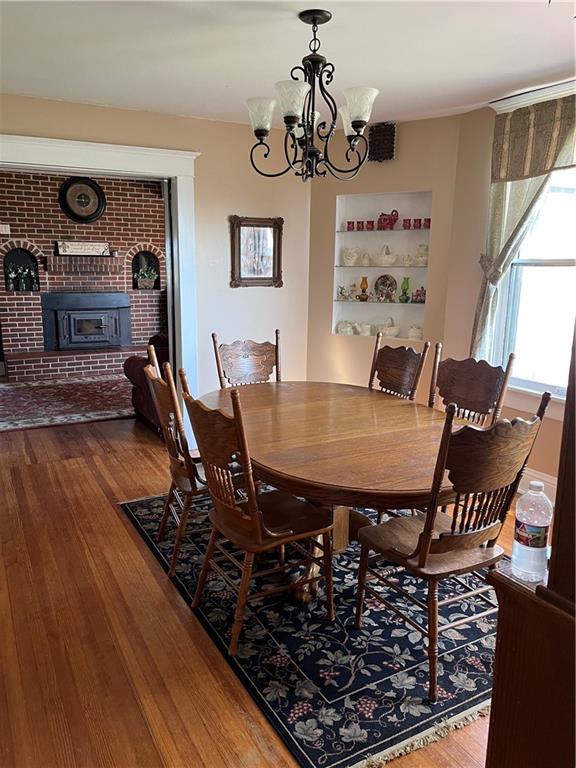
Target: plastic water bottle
530, 549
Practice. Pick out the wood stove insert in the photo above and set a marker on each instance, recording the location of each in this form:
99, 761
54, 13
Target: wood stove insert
85, 320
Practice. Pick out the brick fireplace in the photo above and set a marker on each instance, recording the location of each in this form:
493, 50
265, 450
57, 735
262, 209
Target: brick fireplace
107, 317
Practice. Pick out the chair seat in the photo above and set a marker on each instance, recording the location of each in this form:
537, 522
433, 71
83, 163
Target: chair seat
401, 534
282, 511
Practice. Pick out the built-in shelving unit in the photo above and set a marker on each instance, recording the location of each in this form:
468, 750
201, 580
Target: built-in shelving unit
408, 250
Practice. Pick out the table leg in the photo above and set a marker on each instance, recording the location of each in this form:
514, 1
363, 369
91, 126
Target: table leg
347, 523
340, 532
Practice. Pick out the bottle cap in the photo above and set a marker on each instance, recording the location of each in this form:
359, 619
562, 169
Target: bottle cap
536, 485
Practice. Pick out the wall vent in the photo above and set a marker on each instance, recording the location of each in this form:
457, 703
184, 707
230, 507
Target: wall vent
382, 142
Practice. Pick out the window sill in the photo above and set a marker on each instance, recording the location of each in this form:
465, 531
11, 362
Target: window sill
527, 401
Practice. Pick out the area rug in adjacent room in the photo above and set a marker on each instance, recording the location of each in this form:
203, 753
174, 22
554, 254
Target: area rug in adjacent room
338, 696
24, 405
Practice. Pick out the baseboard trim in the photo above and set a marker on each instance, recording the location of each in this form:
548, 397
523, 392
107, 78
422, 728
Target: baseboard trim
549, 481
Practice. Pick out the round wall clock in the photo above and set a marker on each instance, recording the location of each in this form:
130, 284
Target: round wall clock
82, 200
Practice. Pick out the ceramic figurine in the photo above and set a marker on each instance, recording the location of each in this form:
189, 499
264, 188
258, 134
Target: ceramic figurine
343, 293
415, 332
419, 296
421, 259
345, 328
349, 257
390, 330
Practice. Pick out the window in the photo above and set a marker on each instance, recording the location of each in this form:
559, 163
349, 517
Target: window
537, 306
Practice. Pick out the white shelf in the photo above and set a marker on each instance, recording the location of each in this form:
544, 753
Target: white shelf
379, 231
382, 303
368, 207
385, 339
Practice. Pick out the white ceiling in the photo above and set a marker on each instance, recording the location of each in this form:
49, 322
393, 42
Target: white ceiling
205, 58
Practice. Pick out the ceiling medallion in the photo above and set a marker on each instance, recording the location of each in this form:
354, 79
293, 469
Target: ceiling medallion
308, 134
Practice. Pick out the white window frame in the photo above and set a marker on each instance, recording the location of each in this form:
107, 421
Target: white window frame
523, 394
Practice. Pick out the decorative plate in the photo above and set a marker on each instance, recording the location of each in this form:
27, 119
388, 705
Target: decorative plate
385, 288
82, 199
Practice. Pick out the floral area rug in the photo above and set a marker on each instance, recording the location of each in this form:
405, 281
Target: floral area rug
63, 401
338, 697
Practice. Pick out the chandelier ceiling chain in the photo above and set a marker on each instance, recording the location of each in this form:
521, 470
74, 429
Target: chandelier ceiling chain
308, 134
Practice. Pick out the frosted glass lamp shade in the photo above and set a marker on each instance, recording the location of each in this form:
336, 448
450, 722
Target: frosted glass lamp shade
292, 94
346, 122
359, 102
261, 110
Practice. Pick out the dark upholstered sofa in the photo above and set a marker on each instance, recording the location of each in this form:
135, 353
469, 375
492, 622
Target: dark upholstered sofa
134, 371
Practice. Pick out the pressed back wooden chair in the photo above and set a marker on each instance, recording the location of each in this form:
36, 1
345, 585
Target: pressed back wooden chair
153, 359
397, 369
186, 481
247, 362
476, 387
254, 522
484, 467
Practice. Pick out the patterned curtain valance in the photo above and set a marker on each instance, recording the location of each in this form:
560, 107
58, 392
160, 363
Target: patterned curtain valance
534, 140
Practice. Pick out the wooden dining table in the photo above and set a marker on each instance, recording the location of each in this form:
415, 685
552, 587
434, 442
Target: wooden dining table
339, 445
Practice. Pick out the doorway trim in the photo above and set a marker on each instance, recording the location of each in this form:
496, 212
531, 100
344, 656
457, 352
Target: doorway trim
68, 156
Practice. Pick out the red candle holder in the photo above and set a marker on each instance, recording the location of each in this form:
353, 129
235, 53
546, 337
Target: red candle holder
359, 226
406, 223
417, 223
350, 226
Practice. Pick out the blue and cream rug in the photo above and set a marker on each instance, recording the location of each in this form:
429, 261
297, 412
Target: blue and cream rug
337, 696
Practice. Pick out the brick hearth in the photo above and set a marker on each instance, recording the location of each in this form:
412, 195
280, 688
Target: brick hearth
133, 222
38, 366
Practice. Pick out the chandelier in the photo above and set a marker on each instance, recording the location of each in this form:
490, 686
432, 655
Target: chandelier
308, 135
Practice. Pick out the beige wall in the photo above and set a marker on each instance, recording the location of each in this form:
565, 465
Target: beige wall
451, 158
225, 184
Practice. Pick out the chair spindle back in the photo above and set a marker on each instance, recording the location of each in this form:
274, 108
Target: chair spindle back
398, 369
222, 444
167, 406
485, 467
153, 360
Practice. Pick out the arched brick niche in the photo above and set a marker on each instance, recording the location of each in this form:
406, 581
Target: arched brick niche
146, 255
149, 313
20, 259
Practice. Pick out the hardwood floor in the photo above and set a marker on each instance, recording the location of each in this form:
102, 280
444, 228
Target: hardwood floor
102, 664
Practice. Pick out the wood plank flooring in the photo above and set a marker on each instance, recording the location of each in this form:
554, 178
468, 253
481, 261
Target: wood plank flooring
101, 662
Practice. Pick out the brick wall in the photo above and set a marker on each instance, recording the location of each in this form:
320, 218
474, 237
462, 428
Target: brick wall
133, 221
61, 365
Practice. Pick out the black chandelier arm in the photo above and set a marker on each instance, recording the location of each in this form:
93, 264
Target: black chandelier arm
338, 173
298, 68
347, 173
324, 78
291, 163
360, 139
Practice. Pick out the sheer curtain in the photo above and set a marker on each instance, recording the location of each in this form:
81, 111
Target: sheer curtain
528, 144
